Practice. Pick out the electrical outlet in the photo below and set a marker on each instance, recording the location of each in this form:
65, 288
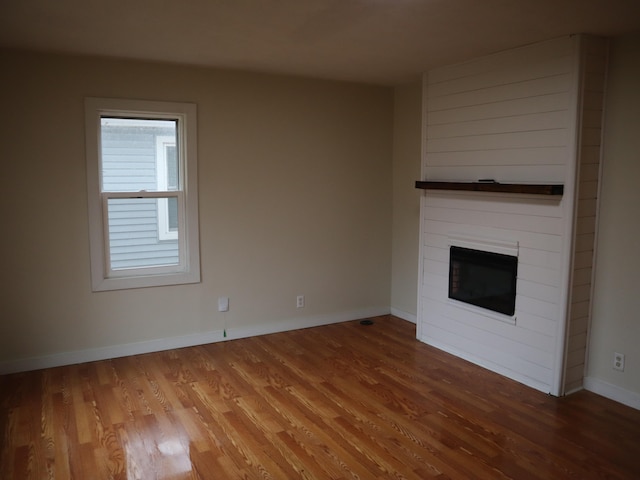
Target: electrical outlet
300, 301
618, 361
223, 304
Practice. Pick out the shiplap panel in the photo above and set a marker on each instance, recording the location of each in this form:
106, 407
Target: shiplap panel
438, 268
541, 258
508, 337
588, 189
541, 103
539, 325
575, 358
582, 276
587, 207
505, 156
487, 355
585, 242
433, 281
581, 293
592, 119
558, 47
593, 82
537, 274
534, 205
590, 154
578, 343
579, 310
594, 100
535, 68
585, 225
581, 326
435, 240
591, 137
583, 259
507, 221
462, 127
532, 240
574, 378
447, 318
537, 139
538, 307
538, 291
511, 117
437, 254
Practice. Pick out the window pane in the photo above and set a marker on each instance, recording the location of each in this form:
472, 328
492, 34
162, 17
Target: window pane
172, 167
134, 237
129, 161
173, 214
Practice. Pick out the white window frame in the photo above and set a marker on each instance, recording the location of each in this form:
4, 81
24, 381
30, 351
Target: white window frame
164, 232
188, 268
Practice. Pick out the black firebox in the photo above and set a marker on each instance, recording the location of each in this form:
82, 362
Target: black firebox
483, 279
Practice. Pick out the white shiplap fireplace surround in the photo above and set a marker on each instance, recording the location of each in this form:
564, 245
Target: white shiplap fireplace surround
529, 115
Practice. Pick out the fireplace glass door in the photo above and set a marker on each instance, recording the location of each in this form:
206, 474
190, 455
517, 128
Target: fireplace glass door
483, 279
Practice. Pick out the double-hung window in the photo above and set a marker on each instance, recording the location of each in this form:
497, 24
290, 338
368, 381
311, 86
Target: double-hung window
142, 186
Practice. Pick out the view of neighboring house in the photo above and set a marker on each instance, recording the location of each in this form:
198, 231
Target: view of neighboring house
140, 155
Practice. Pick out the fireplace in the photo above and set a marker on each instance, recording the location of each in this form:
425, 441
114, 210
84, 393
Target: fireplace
483, 279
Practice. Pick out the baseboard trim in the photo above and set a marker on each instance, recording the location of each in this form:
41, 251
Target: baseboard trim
527, 381
409, 317
190, 340
612, 392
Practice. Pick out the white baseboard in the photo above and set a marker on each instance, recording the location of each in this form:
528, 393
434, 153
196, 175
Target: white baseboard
201, 338
523, 379
409, 317
612, 392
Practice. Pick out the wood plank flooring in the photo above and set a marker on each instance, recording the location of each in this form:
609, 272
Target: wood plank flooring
343, 401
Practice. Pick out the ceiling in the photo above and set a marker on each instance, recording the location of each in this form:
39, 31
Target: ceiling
384, 42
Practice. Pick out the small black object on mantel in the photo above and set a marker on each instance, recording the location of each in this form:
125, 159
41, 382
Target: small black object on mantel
366, 322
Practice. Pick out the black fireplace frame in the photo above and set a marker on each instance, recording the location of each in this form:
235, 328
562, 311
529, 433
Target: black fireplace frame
483, 279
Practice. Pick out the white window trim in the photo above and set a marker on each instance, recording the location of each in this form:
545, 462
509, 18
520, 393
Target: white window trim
164, 233
188, 270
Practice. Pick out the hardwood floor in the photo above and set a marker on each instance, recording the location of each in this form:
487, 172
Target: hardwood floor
339, 401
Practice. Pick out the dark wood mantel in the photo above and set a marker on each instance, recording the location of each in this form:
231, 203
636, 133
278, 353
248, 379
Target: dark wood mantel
491, 186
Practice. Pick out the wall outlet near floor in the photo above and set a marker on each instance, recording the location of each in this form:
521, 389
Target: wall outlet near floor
300, 301
618, 361
223, 304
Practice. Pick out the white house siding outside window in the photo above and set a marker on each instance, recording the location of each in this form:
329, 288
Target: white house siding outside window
142, 184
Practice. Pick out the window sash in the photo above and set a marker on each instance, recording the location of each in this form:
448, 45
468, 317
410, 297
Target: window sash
188, 271
180, 266
162, 173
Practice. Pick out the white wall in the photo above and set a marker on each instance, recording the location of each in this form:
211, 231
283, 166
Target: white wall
295, 198
615, 324
509, 117
406, 200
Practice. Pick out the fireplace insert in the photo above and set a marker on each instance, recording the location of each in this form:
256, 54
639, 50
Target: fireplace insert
483, 279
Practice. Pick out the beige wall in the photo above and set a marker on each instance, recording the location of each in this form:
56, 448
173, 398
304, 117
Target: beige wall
295, 198
406, 200
615, 324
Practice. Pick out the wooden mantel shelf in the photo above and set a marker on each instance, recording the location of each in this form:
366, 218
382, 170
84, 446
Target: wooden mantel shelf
491, 186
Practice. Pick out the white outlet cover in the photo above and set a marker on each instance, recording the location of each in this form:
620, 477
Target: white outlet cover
223, 304
618, 361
